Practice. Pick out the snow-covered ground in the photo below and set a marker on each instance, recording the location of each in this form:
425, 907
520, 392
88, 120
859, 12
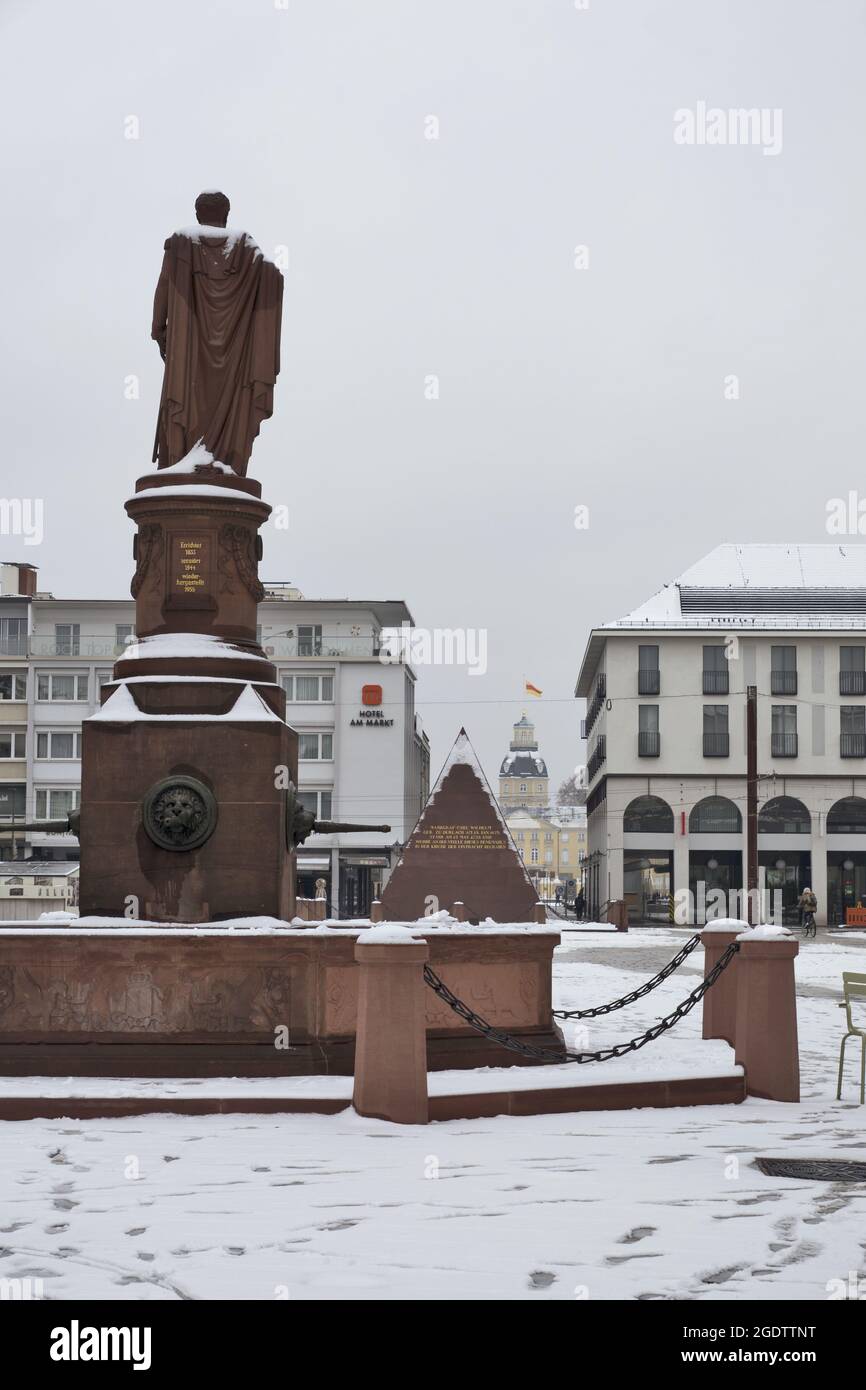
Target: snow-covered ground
623, 1204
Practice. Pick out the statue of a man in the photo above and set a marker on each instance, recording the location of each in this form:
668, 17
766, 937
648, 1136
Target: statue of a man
216, 317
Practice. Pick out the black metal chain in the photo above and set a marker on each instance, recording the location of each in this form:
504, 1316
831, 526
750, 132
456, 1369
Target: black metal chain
546, 1054
669, 969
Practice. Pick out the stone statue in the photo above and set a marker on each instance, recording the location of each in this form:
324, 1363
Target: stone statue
216, 317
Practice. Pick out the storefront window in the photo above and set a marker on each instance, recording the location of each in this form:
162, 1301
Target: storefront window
784, 815
648, 815
715, 815
647, 886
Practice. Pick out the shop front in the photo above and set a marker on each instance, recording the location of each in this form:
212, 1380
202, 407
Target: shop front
310, 869
647, 879
846, 883
715, 884
787, 873
362, 877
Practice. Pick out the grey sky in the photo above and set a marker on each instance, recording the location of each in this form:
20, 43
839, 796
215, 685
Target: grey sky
409, 257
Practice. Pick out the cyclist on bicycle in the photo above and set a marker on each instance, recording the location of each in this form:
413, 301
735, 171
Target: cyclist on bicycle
808, 905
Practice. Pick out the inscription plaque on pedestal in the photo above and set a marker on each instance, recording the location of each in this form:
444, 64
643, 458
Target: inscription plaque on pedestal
190, 571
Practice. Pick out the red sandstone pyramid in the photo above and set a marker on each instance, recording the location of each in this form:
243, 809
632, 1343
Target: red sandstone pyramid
460, 851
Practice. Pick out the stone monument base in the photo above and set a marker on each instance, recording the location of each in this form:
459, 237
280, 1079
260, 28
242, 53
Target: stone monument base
224, 738
221, 1001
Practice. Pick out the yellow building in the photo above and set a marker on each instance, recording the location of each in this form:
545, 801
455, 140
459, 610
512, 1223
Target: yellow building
552, 845
523, 779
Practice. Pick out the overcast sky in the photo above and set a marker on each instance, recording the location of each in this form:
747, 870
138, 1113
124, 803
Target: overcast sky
454, 257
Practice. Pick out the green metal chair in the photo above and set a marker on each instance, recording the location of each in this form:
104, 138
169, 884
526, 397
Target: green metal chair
855, 988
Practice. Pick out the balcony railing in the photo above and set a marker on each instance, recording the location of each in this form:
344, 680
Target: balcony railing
90, 645
717, 745
783, 682
853, 745
597, 757
86, 645
596, 702
852, 682
285, 648
648, 682
783, 745
716, 682
648, 743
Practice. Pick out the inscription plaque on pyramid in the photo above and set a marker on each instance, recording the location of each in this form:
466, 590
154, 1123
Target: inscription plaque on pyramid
460, 851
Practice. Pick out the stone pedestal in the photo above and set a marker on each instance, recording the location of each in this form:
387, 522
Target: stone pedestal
720, 1000
766, 1033
391, 1040
185, 768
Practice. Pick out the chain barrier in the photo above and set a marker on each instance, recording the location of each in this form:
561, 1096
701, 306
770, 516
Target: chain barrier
546, 1054
669, 969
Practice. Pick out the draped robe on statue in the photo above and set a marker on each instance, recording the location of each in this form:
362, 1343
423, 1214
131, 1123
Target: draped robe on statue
217, 312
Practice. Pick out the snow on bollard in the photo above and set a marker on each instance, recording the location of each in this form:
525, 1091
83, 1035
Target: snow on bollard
391, 1038
766, 1030
539, 914
720, 1001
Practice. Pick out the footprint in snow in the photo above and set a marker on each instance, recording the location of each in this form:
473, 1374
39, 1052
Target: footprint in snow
721, 1276
541, 1279
638, 1233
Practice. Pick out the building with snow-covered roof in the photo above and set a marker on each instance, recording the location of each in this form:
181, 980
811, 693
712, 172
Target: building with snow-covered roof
523, 776
665, 726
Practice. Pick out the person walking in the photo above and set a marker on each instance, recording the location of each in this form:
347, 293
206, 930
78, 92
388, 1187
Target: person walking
808, 905
580, 906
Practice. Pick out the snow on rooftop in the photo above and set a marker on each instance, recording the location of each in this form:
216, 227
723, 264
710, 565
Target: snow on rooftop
779, 566
760, 571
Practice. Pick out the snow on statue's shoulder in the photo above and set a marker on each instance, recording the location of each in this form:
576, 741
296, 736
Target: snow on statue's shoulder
230, 235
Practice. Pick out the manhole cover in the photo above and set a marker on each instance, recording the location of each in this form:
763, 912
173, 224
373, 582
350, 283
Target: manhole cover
816, 1169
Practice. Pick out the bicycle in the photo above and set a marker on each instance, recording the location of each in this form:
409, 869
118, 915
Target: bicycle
809, 927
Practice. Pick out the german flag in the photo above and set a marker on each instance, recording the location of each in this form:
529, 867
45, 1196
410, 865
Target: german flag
531, 689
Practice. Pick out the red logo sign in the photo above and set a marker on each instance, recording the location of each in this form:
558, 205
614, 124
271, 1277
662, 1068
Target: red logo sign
371, 694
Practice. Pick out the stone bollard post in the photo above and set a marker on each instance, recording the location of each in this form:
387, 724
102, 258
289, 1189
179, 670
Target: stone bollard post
458, 910
539, 914
766, 1028
391, 1036
720, 1001
376, 910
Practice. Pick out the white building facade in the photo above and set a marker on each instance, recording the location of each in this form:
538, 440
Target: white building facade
666, 736
363, 754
